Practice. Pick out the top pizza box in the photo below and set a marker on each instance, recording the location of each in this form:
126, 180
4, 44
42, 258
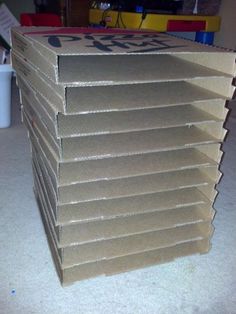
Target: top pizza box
88, 56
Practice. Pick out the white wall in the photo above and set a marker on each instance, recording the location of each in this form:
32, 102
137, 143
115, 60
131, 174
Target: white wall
226, 37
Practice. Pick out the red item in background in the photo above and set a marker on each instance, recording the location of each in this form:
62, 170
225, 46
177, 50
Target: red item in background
40, 19
185, 26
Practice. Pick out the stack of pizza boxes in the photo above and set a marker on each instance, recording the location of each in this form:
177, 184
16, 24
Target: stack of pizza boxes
125, 130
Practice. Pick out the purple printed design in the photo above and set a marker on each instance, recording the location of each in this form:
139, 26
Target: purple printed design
132, 43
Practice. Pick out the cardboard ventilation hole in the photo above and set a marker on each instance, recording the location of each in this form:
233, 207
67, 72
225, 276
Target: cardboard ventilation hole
125, 130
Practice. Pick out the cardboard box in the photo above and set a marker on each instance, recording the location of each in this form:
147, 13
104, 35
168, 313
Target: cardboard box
130, 143
190, 61
125, 130
65, 98
124, 263
69, 269
95, 123
87, 231
195, 225
144, 96
67, 56
211, 171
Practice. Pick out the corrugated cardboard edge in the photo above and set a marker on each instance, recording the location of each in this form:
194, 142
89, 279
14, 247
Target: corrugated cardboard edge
98, 269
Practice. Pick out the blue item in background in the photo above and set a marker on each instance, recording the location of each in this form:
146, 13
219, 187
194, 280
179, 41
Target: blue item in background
139, 9
205, 37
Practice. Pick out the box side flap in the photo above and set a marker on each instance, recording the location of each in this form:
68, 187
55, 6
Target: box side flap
41, 130
214, 107
223, 62
31, 49
37, 113
38, 140
53, 92
212, 151
220, 85
34, 97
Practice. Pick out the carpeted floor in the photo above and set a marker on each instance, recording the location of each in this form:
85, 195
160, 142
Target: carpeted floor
28, 281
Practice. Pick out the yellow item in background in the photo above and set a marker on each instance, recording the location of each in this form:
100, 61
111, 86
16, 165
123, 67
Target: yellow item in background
158, 22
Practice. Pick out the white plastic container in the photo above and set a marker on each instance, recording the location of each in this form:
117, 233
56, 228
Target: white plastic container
5, 95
